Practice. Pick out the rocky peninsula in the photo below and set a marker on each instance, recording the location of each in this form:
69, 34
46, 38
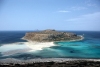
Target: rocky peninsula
51, 35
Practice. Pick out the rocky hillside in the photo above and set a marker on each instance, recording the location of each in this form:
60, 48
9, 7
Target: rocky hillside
50, 35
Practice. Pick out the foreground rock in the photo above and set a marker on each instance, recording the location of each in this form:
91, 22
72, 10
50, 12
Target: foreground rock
50, 35
55, 64
74, 63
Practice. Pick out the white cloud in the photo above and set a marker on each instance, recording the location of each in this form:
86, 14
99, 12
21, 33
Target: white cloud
85, 22
88, 17
78, 8
63, 11
73, 8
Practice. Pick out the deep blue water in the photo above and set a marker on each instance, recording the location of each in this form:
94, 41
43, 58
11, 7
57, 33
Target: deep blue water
87, 48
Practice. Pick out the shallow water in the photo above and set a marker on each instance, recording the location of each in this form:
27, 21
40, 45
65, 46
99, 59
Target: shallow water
11, 46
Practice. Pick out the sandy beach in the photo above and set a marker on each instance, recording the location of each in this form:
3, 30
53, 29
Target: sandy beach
39, 45
22, 47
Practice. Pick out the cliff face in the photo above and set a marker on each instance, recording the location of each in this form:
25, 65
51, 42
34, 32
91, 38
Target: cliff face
50, 35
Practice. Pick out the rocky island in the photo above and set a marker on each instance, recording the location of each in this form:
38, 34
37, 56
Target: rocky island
51, 35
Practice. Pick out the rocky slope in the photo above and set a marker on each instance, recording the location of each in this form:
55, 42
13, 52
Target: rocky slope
50, 35
56, 64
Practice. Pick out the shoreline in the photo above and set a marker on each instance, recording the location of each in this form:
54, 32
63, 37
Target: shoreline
33, 46
39, 60
56, 41
39, 45
72, 40
36, 60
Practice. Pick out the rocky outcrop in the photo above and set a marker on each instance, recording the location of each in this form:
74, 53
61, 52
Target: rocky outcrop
50, 35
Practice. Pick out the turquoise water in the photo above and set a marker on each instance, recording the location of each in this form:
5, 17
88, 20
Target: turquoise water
89, 47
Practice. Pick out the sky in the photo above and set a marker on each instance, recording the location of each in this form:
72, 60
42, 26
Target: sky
77, 15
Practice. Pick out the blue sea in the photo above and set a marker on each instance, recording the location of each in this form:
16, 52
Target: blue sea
12, 46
